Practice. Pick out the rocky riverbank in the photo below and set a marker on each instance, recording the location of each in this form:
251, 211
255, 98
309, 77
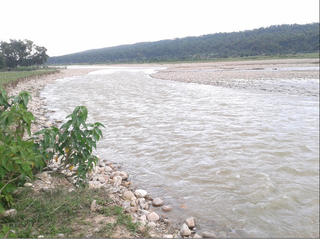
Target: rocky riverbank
289, 76
106, 175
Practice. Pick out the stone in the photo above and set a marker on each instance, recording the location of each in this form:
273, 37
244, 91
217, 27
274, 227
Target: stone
151, 225
197, 236
44, 189
93, 205
167, 208
222, 234
42, 175
157, 202
101, 179
153, 216
60, 235
145, 212
117, 181
141, 201
126, 204
106, 178
10, 213
108, 169
124, 175
28, 184
127, 195
184, 230
41, 236
167, 236
140, 193
190, 222
208, 235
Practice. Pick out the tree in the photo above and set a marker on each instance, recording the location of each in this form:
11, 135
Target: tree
22, 53
2, 61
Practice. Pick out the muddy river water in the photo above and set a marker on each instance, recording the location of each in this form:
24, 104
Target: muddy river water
247, 159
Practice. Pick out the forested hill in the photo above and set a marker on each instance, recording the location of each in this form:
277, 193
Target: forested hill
273, 40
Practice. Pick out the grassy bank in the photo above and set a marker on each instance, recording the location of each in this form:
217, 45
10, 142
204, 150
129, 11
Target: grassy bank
59, 213
7, 77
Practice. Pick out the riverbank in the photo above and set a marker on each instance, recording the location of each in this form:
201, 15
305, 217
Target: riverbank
106, 177
264, 75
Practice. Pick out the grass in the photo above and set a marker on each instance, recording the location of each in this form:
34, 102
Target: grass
59, 211
11, 76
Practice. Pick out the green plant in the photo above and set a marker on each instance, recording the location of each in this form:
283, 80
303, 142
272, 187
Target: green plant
72, 144
7, 233
17, 156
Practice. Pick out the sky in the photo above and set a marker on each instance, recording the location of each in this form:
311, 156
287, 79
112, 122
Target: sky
69, 26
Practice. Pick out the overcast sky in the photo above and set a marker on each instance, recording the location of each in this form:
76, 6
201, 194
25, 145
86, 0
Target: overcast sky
69, 26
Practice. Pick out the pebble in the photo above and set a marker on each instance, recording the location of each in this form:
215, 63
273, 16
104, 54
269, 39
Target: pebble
167, 208
185, 231
140, 193
10, 213
157, 202
151, 225
28, 184
153, 216
191, 222
93, 205
127, 195
208, 235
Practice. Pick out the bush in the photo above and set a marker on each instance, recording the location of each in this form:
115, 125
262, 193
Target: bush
72, 144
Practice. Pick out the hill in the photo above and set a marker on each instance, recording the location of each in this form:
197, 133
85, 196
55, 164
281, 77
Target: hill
273, 40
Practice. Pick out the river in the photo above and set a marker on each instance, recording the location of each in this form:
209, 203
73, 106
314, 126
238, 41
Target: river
226, 156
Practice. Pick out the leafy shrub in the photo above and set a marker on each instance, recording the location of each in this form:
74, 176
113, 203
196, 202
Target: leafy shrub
72, 144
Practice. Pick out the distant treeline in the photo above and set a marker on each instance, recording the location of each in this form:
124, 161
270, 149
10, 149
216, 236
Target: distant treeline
269, 41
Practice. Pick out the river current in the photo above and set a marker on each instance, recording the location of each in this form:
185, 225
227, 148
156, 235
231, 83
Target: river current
225, 156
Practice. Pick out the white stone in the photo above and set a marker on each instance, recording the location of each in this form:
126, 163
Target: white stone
117, 182
28, 184
107, 169
140, 193
10, 213
153, 216
151, 225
